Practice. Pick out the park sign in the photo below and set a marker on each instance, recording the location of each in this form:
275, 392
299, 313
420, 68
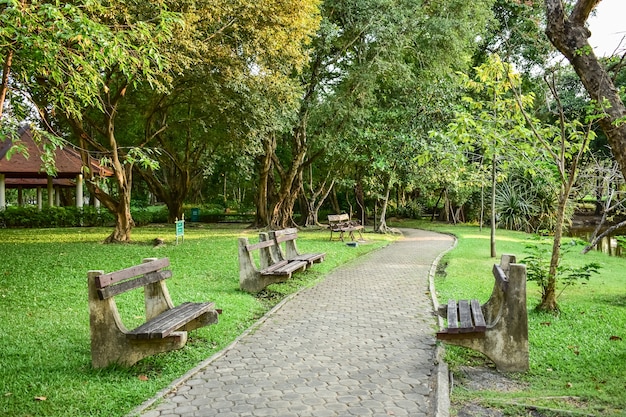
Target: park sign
180, 228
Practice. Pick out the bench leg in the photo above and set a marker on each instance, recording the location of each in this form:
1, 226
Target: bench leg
505, 341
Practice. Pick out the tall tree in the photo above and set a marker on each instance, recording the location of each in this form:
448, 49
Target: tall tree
359, 44
570, 36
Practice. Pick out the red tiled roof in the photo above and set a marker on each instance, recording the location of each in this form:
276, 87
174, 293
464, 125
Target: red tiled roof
67, 161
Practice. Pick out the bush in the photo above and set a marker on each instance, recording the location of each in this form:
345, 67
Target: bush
30, 217
410, 210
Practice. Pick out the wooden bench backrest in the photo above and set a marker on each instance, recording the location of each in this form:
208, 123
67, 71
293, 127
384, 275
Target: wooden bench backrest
332, 218
117, 282
260, 245
500, 277
286, 234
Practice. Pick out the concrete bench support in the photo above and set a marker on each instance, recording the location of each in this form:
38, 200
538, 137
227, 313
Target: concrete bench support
271, 271
505, 336
291, 253
165, 326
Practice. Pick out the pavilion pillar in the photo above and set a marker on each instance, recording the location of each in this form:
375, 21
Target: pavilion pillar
39, 199
20, 196
50, 192
57, 197
3, 193
79, 191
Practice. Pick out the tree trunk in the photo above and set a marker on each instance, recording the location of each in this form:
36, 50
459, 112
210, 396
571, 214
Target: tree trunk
548, 296
382, 221
123, 220
120, 204
492, 238
290, 182
570, 36
4, 87
360, 200
316, 199
171, 186
262, 217
334, 201
282, 215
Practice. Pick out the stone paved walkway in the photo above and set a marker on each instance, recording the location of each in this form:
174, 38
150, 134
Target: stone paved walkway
360, 343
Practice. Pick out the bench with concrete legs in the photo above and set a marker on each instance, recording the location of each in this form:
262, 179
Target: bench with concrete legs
291, 253
165, 326
270, 271
499, 328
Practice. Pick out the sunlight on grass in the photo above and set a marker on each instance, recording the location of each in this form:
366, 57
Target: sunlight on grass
44, 322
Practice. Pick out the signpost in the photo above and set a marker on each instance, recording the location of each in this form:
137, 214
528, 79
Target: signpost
180, 228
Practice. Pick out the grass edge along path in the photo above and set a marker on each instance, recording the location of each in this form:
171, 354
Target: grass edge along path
45, 359
577, 359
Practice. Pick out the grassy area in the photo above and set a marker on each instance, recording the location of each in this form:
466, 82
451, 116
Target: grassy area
45, 362
577, 359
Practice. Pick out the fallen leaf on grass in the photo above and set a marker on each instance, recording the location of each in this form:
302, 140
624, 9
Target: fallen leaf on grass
569, 385
143, 378
546, 323
8, 394
41, 398
615, 338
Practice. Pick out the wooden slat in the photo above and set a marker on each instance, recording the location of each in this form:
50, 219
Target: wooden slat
275, 266
500, 277
112, 277
465, 317
263, 244
285, 269
453, 317
332, 218
169, 321
310, 258
285, 237
131, 284
294, 266
477, 315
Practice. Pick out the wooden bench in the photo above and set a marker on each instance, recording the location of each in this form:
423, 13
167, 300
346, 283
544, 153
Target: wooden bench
341, 223
499, 328
165, 326
291, 253
271, 271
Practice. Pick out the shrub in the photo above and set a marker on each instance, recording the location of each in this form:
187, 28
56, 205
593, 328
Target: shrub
410, 210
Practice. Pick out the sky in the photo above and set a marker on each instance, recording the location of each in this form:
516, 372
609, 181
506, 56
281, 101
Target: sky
608, 27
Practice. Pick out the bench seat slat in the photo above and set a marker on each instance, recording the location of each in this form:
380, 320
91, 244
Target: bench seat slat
453, 318
477, 315
310, 257
169, 321
286, 269
465, 317
278, 265
465, 320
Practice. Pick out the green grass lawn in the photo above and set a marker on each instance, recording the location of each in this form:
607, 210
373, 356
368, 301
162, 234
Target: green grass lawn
577, 359
45, 359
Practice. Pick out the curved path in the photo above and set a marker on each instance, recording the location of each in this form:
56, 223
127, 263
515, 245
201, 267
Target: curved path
359, 343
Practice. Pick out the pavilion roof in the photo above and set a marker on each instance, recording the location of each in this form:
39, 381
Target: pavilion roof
67, 161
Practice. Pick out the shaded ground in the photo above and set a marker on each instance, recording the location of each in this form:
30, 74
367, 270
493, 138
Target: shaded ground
484, 378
